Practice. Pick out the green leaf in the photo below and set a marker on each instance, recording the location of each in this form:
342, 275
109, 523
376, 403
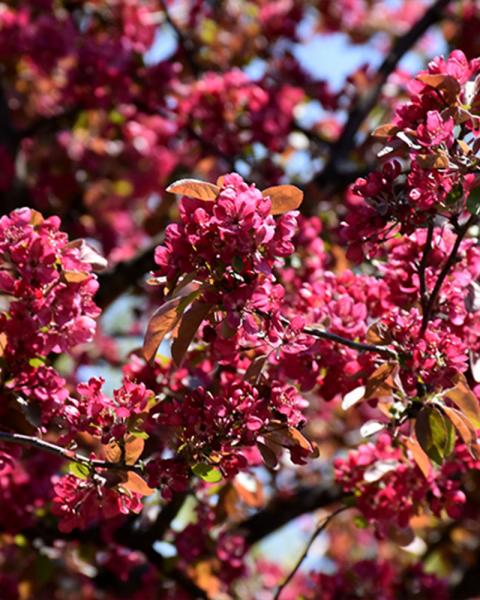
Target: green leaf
36, 362
454, 195
360, 522
237, 264
79, 470
207, 473
473, 202
140, 434
116, 118
435, 434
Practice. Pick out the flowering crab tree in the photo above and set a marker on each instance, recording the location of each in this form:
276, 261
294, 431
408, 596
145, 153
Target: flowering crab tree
238, 305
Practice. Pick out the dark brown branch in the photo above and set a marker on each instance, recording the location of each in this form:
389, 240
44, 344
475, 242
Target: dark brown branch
283, 509
423, 266
362, 347
322, 334
113, 282
445, 271
26, 440
468, 586
321, 527
367, 101
183, 42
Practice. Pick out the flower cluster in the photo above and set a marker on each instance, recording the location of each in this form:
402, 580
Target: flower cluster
390, 488
82, 503
50, 286
255, 112
220, 426
231, 246
104, 417
433, 132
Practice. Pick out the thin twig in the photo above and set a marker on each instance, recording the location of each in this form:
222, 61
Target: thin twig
321, 527
423, 266
283, 509
182, 41
317, 332
33, 442
361, 346
116, 280
367, 101
445, 271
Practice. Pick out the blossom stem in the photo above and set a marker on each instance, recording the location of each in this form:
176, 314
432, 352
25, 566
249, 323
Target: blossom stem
423, 265
317, 332
321, 527
361, 346
183, 42
445, 271
366, 101
26, 440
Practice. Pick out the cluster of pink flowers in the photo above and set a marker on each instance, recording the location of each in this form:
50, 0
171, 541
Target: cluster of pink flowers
255, 112
222, 425
390, 489
369, 578
231, 246
104, 417
432, 132
80, 503
379, 579
49, 284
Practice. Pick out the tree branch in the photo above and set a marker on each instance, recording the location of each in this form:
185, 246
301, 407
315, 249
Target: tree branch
321, 527
283, 509
423, 265
26, 440
362, 347
113, 282
182, 41
367, 101
444, 272
322, 334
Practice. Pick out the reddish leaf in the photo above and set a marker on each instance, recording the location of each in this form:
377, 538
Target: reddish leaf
461, 424
465, 400
465, 148
385, 131
112, 451
133, 449
227, 505
75, 276
255, 368
380, 383
378, 334
283, 198
289, 437
188, 328
194, 188
3, 343
36, 218
401, 536
438, 160
253, 498
135, 483
445, 83
163, 320
269, 457
89, 255
419, 456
